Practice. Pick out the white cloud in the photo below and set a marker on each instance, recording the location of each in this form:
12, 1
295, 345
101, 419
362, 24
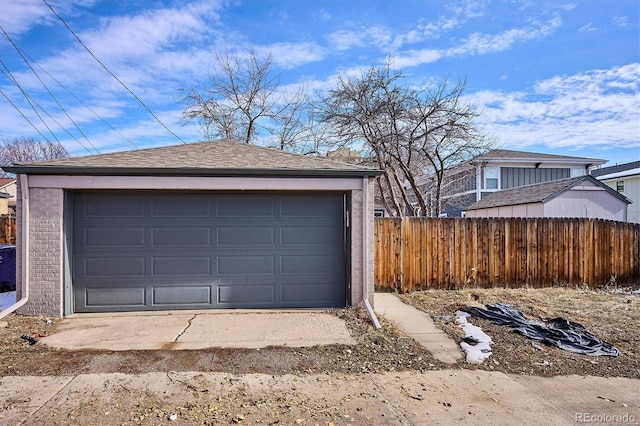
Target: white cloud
417, 57
599, 108
389, 41
567, 7
478, 43
620, 21
291, 55
342, 40
150, 32
587, 28
19, 16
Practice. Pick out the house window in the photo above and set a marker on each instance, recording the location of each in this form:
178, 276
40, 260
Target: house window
378, 213
491, 177
620, 186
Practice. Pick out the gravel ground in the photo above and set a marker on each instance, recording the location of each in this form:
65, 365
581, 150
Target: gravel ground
615, 317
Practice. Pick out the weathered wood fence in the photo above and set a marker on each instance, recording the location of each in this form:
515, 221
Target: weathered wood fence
422, 253
7, 229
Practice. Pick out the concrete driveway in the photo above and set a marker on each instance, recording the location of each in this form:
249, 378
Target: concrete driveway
198, 330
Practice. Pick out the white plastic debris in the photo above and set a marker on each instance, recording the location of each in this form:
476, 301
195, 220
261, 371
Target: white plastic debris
477, 353
173, 417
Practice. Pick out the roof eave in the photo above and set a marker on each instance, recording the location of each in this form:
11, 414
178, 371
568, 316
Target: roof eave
202, 172
589, 162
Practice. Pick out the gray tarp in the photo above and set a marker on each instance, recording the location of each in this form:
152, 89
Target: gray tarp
559, 332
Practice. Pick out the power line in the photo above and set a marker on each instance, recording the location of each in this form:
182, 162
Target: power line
47, 89
24, 116
26, 96
32, 101
111, 73
79, 100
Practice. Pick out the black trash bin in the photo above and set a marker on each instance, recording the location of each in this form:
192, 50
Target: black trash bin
7, 267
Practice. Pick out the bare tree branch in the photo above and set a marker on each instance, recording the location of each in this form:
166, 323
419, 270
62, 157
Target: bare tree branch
412, 133
28, 150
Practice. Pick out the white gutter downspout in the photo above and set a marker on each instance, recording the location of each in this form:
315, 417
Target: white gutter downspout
365, 251
24, 192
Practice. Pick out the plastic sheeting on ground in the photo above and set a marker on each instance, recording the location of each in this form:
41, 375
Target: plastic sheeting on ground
559, 332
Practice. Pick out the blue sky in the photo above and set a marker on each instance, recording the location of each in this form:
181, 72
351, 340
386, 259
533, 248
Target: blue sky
549, 76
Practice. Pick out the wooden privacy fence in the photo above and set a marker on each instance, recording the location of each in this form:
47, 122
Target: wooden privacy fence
7, 229
422, 253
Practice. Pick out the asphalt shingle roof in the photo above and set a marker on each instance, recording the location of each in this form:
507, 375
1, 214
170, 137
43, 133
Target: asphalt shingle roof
537, 193
215, 157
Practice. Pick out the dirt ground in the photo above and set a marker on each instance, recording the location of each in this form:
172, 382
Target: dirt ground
386, 378
614, 317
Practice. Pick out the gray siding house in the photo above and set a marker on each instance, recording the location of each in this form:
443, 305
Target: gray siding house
624, 178
582, 196
503, 169
210, 225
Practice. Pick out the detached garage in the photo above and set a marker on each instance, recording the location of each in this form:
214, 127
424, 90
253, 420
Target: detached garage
211, 225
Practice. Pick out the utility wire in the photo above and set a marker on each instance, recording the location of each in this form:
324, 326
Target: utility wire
33, 101
48, 91
79, 100
24, 116
26, 96
111, 73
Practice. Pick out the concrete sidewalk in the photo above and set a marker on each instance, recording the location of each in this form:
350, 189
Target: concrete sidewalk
199, 330
419, 326
470, 397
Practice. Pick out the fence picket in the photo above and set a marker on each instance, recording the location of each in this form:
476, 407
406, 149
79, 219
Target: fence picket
423, 253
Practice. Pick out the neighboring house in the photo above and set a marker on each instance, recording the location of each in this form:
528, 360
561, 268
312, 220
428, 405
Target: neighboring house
624, 178
4, 203
502, 169
582, 196
209, 225
8, 185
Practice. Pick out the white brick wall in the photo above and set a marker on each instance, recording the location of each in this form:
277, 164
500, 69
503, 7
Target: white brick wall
45, 252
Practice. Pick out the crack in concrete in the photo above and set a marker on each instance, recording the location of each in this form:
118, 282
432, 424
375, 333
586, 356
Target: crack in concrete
185, 329
53, 395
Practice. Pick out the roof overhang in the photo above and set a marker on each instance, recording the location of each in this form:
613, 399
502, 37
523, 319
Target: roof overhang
202, 172
539, 162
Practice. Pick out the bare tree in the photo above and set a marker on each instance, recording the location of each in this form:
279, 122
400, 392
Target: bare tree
411, 133
290, 124
241, 98
27, 150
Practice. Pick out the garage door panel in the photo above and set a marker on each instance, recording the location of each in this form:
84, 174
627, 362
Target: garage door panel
189, 206
110, 297
310, 206
183, 236
105, 267
182, 295
246, 250
307, 293
246, 235
246, 265
313, 264
255, 206
318, 235
179, 266
111, 206
256, 295
113, 237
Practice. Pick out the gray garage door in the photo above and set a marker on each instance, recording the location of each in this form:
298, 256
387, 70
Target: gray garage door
139, 251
